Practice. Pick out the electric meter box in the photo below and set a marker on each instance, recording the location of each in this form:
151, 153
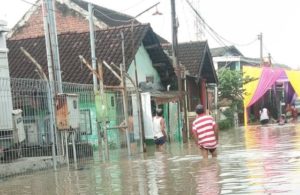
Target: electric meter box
18, 126
67, 111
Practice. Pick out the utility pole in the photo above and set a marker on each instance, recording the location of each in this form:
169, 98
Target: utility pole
260, 38
138, 98
125, 98
51, 34
52, 58
177, 67
92, 42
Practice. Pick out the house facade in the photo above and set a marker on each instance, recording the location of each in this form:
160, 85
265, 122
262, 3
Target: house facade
199, 75
230, 57
146, 54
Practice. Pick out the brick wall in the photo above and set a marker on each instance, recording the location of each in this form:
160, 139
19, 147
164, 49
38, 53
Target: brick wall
66, 21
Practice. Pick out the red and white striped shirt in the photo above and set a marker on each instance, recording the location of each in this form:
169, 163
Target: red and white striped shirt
203, 128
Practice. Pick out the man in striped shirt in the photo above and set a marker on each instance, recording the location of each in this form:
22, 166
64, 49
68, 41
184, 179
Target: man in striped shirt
205, 132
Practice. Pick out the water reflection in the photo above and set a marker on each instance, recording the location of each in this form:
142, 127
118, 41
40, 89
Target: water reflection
207, 177
254, 160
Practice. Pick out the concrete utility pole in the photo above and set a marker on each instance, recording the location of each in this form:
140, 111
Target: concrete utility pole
51, 42
260, 38
176, 65
92, 41
124, 93
175, 44
270, 59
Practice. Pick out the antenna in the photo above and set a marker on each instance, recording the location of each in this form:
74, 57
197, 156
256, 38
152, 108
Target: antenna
198, 24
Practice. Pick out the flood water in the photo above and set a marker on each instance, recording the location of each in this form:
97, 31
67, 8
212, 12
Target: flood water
253, 160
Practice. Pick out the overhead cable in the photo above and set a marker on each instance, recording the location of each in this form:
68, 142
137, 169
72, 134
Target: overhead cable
217, 35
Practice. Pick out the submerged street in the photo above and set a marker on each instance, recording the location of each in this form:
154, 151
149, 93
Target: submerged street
253, 160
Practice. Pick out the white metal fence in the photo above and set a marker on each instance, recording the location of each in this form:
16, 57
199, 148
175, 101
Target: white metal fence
31, 138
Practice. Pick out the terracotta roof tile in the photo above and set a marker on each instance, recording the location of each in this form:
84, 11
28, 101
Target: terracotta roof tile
195, 55
71, 45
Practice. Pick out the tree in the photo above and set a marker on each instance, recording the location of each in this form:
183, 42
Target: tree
231, 84
230, 87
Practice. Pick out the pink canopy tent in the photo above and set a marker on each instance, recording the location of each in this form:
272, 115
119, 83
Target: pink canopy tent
267, 77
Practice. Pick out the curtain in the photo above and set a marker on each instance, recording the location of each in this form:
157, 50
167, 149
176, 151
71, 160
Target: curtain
294, 78
250, 87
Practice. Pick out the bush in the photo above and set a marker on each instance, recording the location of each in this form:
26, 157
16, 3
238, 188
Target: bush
224, 124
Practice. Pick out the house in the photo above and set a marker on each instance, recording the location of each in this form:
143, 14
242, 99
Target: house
231, 57
151, 61
71, 16
196, 60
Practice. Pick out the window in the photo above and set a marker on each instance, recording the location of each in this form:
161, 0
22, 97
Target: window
74, 104
85, 122
149, 79
112, 101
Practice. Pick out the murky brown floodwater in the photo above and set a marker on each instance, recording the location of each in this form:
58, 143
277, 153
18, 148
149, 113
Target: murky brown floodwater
251, 161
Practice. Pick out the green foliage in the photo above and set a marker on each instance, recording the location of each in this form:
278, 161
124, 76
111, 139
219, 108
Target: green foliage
229, 112
228, 122
231, 85
224, 124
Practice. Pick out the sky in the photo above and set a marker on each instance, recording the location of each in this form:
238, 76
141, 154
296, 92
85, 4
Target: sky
238, 22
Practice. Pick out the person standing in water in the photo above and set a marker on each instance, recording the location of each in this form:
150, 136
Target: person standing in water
205, 132
264, 116
130, 132
159, 129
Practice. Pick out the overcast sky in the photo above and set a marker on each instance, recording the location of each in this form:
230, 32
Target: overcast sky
237, 21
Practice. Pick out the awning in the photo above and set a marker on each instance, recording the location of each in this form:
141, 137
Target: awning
166, 96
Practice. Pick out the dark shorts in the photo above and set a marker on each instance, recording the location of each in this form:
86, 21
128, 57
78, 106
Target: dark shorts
265, 121
211, 150
159, 141
131, 137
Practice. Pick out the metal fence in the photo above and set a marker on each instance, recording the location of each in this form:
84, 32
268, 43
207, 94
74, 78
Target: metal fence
39, 130
83, 126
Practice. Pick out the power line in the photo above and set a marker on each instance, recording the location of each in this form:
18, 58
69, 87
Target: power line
217, 35
130, 20
186, 20
25, 1
112, 19
134, 5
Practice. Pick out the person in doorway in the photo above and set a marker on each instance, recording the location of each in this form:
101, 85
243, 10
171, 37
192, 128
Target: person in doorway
130, 131
159, 132
205, 132
264, 116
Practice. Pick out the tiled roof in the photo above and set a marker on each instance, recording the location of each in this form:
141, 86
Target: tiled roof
110, 17
71, 45
196, 55
225, 51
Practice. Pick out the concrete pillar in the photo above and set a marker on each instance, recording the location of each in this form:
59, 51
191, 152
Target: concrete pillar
5, 91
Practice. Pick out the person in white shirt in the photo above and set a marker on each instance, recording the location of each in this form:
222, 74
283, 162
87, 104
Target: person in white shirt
264, 116
159, 129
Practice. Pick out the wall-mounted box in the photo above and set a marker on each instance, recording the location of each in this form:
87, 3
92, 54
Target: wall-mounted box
67, 111
19, 132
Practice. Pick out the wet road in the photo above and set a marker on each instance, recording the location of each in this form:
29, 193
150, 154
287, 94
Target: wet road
255, 160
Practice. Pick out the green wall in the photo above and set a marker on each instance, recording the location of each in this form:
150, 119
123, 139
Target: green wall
144, 67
